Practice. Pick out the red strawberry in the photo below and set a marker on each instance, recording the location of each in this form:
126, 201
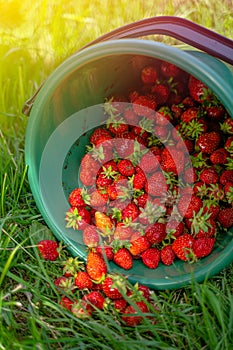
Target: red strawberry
161, 93
182, 246
208, 142
66, 302
209, 176
149, 74
174, 228
131, 316
98, 199
48, 249
95, 298
190, 114
83, 280
215, 111
78, 198
131, 211
169, 69
139, 180
225, 217
120, 305
187, 205
148, 163
156, 184
219, 156
156, 233
122, 231
105, 252
139, 245
90, 236
118, 127
229, 144
78, 218
110, 289
131, 117
96, 267
123, 258
144, 105
167, 255
226, 176
203, 246
125, 144
100, 135
198, 90
141, 200
172, 160
126, 167
151, 257
88, 170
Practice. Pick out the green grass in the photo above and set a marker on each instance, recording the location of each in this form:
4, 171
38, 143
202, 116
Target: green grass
34, 40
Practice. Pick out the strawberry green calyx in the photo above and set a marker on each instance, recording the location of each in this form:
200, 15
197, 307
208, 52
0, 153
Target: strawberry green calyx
109, 108
200, 221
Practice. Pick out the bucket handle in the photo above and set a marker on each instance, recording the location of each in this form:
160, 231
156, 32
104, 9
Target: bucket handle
182, 29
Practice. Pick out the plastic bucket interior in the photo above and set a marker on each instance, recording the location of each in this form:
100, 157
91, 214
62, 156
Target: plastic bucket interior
69, 105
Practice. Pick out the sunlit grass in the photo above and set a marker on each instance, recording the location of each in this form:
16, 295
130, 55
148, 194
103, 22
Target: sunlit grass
35, 37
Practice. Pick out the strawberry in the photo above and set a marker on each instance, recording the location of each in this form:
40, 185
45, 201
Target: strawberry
203, 246
90, 236
131, 317
48, 249
66, 302
209, 176
172, 160
187, 205
190, 114
198, 90
88, 170
98, 199
131, 117
139, 180
219, 156
151, 257
82, 280
156, 184
95, 298
174, 228
110, 289
167, 255
149, 74
125, 144
131, 211
96, 267
149, 163
182, 246
161, 93
103, 222
141, 199
208, 142
78, 197
118, 126
156, 233
99, 136
227, 126
120, 305
169, 69
139, 245
215, 111
144, 105
126, 167
77, 218
105, 251
82, 309
122, 231
64, 283
145, 291
229, 144
123, 258
225, 217
226, 176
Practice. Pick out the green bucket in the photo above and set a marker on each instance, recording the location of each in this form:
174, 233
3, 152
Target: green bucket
69, 105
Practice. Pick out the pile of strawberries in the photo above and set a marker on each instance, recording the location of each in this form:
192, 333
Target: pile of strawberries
85, 290
157, 177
